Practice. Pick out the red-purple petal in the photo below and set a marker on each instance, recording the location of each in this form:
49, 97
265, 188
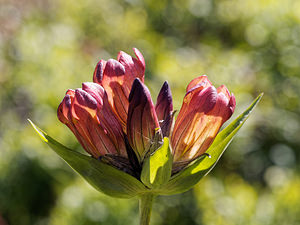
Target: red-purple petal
116, 77
87, 113
114, 68
202, 80
229, 103
142, 122
95, 90
202, 114
65, 115
84, 102
140, 58
135, 68
64, 108
106, 117
189, 120
84, 115
232, 103
164, 109
98, 72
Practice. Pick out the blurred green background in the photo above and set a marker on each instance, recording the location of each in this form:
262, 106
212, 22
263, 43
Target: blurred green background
252, 46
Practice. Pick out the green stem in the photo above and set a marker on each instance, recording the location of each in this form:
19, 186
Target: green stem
145, 204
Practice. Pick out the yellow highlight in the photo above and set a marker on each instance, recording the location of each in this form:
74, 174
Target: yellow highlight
158, 161
39, 131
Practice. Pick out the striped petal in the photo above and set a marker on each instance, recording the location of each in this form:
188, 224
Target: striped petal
164, 109
116, 77
65, 116
142, 122
106, 117
202, 114
80, 110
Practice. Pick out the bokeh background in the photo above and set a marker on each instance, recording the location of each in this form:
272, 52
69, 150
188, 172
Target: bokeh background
252, 46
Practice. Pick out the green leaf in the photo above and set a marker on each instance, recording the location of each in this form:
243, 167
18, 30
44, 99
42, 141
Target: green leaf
101, 176
188, 177
157, 167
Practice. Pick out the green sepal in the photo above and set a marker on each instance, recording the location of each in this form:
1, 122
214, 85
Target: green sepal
101, 176
191, 175
157, 168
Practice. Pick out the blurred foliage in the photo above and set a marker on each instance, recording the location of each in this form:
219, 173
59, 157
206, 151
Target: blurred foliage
48, 46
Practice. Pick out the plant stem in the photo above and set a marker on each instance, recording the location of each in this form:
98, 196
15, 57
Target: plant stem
145, 205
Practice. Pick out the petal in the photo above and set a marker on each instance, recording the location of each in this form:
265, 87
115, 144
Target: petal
203, 112
140, 58
81, 114
213, 121
84, 111
112, 81
230, 104
98, 73
83, 104
95, 90
196, 99
64, 108
65, 116
135, 68
164, 109
202, 80
164, 103
190, 121
117, 77
113, 69
223, 89
142, 122
106, 117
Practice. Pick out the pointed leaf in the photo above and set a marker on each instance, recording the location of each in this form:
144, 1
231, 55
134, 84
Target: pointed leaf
187, 178
157, 167
101, 176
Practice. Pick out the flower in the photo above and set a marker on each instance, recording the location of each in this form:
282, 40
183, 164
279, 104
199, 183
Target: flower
115, 119
203, 112
137, 149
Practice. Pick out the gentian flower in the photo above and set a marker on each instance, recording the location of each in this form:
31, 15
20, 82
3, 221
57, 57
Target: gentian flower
204, 110
136, 147
116, 117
